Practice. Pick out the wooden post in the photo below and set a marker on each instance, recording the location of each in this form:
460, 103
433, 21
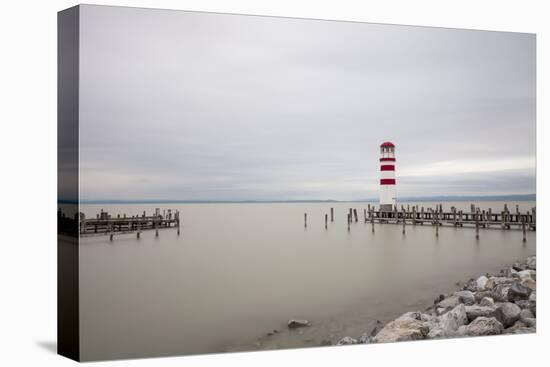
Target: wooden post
332, 214
349, 219
404, 221
305, 220
436, 224
355, 215
177, 216
365, 214
156, 226
414, 215
138, 227
477, 224
326, 221
523, 227
372, 219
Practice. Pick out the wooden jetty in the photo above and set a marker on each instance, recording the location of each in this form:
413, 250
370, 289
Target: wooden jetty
475, 217
418, 215
106, 225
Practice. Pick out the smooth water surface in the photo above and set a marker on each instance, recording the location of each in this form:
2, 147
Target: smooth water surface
239, 271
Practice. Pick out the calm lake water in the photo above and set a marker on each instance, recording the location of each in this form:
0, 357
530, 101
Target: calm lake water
239, 271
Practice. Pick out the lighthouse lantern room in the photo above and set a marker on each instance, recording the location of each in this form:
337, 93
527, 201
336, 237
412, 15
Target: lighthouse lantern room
387, 176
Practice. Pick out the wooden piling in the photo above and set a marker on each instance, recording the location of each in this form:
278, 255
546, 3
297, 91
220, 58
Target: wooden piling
349, 220
436, 224
477, 224
404, 221
305, 220
523, 227
326, 221
365, 214
332, 214
355, 215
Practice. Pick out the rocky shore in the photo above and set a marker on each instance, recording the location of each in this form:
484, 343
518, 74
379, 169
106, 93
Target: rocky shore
503, 303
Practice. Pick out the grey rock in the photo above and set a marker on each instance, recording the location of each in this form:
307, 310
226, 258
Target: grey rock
480, 295
365, 339
466, 297
508, 313
487, 302
519, 328
293, 324
519, 266
449, 323
406, 327
518, 291
347, 340
482, 326
500, 293
325, 343
526, 314
531, 262
475, 311
449, 303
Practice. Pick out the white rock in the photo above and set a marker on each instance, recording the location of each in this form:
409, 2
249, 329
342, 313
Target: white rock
481, 282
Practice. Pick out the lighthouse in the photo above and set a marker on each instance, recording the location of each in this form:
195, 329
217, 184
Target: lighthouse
388, 192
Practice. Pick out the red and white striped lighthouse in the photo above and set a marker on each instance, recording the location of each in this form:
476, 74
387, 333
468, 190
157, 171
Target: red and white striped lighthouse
388, 192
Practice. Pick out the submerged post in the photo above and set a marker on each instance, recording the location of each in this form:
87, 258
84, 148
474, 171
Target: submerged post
523, 227
436, 224
326, 221
332, 214
477, 224
305, 220
365, 214
349, 219
404, 221
355, 215
177, 215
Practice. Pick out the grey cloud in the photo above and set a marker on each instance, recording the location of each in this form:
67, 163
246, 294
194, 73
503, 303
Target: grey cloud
208, 106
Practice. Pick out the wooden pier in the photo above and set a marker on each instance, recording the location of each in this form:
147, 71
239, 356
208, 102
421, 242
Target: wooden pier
106, 225
474, 218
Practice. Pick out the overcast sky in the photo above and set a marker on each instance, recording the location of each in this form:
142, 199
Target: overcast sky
196, 106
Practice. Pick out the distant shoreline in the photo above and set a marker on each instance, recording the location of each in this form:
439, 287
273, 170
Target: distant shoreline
526, 197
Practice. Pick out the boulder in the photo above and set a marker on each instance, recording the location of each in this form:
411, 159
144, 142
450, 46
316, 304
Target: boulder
466, 297
524, 274
494, 281
526, 314
471, 285
518, 291
449, 323
449, 303
500, 293
406, 327
529, 283
481, 282
347, 340
519, 328
482, 326
475, 311
508, 313
531, 262
487, 302
293, 324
